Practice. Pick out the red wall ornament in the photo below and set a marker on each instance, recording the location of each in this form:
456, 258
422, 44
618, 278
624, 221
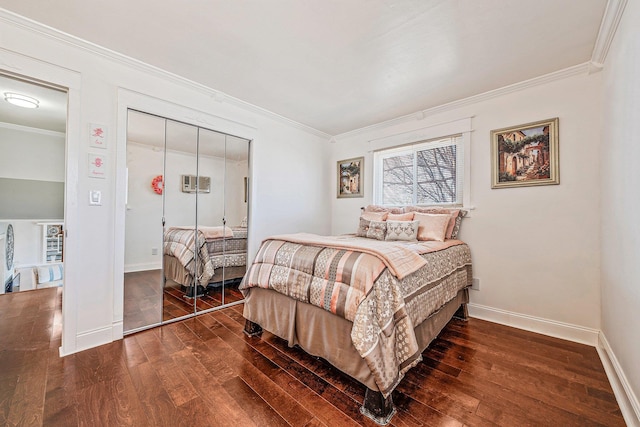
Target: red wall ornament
157, 184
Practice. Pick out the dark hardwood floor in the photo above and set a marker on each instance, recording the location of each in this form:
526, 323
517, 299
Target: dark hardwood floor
205, 372
146, 299
142, 298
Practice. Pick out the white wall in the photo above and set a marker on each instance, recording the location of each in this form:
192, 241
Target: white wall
620, 181
235, 206
28, 242
143, 223
38, 156
536, 250
289, 173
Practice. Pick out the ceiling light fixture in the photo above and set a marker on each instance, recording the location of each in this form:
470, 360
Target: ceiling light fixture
21, 100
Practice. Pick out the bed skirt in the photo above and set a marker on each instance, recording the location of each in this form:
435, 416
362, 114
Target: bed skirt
323, 334
175, 271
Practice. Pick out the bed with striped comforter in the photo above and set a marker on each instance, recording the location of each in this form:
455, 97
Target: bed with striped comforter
384, 288
190, 250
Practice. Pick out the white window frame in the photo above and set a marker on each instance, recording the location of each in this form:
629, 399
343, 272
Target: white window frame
413, 149
399, 143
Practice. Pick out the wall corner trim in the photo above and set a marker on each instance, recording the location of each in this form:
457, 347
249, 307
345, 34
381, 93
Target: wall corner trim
553, 328
608, 27
627, 400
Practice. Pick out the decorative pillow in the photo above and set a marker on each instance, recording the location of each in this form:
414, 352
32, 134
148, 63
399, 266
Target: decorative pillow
378, 208
400, 217
374, 216
454, 222
49, 273
372, 229
456, 227
432, 226
402, 230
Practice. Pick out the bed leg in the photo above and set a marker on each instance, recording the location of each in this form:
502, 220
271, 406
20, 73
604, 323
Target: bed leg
462, 313
377, 407
252, 329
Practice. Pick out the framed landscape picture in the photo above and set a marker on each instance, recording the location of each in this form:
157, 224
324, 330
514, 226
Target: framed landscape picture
350, 173
525, 155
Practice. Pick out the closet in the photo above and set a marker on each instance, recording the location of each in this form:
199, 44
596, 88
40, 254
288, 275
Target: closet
186, 220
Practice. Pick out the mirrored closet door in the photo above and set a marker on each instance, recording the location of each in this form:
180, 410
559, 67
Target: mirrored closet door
222, 214
186, 220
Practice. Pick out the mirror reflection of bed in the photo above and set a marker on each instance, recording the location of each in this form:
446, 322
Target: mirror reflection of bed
186, 220
220, 274
32, 175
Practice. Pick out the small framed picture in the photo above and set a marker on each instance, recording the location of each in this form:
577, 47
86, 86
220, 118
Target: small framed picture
525, 155
97, 166
97, 136
350, 177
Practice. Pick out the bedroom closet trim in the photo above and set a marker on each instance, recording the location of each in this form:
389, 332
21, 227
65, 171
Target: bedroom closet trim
206, 126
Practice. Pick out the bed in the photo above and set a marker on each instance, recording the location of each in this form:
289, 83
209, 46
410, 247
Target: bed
221, 256
369, 307
229, 257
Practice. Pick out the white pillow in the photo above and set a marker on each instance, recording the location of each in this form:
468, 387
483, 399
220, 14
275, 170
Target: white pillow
49, 273
402, 230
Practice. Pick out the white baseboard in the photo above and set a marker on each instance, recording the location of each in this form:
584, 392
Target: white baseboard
552, 328
117, 330
627, 400
93, 338
131, 268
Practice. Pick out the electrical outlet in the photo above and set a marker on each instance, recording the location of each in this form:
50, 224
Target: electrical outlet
475, 284
154, 251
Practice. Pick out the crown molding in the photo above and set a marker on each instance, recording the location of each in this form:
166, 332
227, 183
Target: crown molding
30, 129
613, 14
219, 96
583, 68
157, 149
608, 27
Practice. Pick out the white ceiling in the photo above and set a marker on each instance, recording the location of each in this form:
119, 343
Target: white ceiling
338, 65
51, 113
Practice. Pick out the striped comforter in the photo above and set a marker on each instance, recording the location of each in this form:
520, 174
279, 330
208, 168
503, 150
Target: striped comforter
180, 243
360, 281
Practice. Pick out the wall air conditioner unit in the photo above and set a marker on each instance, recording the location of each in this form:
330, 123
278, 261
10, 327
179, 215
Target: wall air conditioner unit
192, 184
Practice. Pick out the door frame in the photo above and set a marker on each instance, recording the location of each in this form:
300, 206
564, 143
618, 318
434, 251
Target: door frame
15, 64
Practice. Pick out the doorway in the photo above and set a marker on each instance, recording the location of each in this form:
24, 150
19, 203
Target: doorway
32, 185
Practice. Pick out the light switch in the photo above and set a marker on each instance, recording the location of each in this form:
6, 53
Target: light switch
95, 198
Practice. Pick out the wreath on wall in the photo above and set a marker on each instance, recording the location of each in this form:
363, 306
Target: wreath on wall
157, 184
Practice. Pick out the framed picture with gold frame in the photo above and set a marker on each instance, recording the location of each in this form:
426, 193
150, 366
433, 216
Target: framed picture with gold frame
350, 174
525, 155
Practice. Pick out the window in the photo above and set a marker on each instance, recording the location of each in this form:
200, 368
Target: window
425, 173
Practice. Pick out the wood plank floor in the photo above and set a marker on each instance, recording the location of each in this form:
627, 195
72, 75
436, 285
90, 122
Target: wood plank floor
205, 372
146, 299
